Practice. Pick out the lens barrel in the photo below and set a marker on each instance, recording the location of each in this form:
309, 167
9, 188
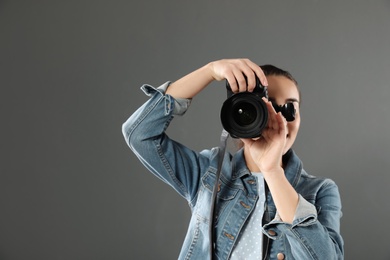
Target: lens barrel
244, 115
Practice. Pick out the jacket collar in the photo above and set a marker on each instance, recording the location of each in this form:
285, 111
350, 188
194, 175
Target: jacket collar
292, 167
238, 165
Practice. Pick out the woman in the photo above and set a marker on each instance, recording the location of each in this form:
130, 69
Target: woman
267, 206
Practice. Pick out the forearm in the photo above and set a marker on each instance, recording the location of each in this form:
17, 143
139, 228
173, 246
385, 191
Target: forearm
315, 230
283, 194
191, 84
240, 73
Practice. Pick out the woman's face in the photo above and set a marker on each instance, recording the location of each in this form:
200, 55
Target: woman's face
282, 90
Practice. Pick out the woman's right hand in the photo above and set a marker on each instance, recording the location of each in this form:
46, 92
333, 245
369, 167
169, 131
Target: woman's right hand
235, 71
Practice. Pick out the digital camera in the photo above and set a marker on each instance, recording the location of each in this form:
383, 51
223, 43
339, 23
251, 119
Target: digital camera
245, 114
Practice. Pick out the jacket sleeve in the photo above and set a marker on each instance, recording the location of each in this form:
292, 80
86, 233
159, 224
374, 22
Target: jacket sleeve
315, 231
145, 134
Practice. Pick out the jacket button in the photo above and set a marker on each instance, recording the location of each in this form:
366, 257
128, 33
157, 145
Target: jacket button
251, 181
271, 232
229, 236
244, 205
280, 256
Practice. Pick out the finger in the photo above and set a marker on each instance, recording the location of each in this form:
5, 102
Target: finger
232, 82
282, 123
275, 122
279, 121
258, 71
272, 121
241, 81
250, 78
269, 105
247, 142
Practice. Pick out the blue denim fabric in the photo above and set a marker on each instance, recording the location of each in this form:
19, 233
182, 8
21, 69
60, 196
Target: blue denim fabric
315, 231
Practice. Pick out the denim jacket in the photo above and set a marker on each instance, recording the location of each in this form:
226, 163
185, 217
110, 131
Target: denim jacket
314, 232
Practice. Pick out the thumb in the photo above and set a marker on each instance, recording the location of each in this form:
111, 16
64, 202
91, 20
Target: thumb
247, 141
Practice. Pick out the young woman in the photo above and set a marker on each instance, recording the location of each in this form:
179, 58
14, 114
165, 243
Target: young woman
267, 206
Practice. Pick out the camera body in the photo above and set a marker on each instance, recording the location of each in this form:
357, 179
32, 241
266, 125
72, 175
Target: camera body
245, 114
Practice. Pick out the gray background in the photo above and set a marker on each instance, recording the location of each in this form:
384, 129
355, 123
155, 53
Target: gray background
70, 73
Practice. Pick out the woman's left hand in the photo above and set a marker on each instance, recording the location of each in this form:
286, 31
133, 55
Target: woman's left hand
267, 150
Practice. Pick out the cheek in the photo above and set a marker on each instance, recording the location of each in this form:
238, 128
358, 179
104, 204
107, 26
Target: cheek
293, 127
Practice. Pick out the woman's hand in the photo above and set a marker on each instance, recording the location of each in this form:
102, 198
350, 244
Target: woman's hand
267, 151
235, 71
266, 154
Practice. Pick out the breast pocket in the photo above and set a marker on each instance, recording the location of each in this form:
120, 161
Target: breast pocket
226, 194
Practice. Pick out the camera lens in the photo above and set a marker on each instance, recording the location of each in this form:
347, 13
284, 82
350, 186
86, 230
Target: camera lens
244, 113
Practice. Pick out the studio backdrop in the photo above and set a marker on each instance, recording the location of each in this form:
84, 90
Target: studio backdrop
70, 75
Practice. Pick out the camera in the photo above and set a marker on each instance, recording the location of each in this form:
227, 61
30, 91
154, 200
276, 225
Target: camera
245, 114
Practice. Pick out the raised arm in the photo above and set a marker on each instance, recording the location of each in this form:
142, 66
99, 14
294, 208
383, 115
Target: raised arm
231, 69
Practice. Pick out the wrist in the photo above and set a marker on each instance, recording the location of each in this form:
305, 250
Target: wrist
215, 69
209, 70
273, 173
